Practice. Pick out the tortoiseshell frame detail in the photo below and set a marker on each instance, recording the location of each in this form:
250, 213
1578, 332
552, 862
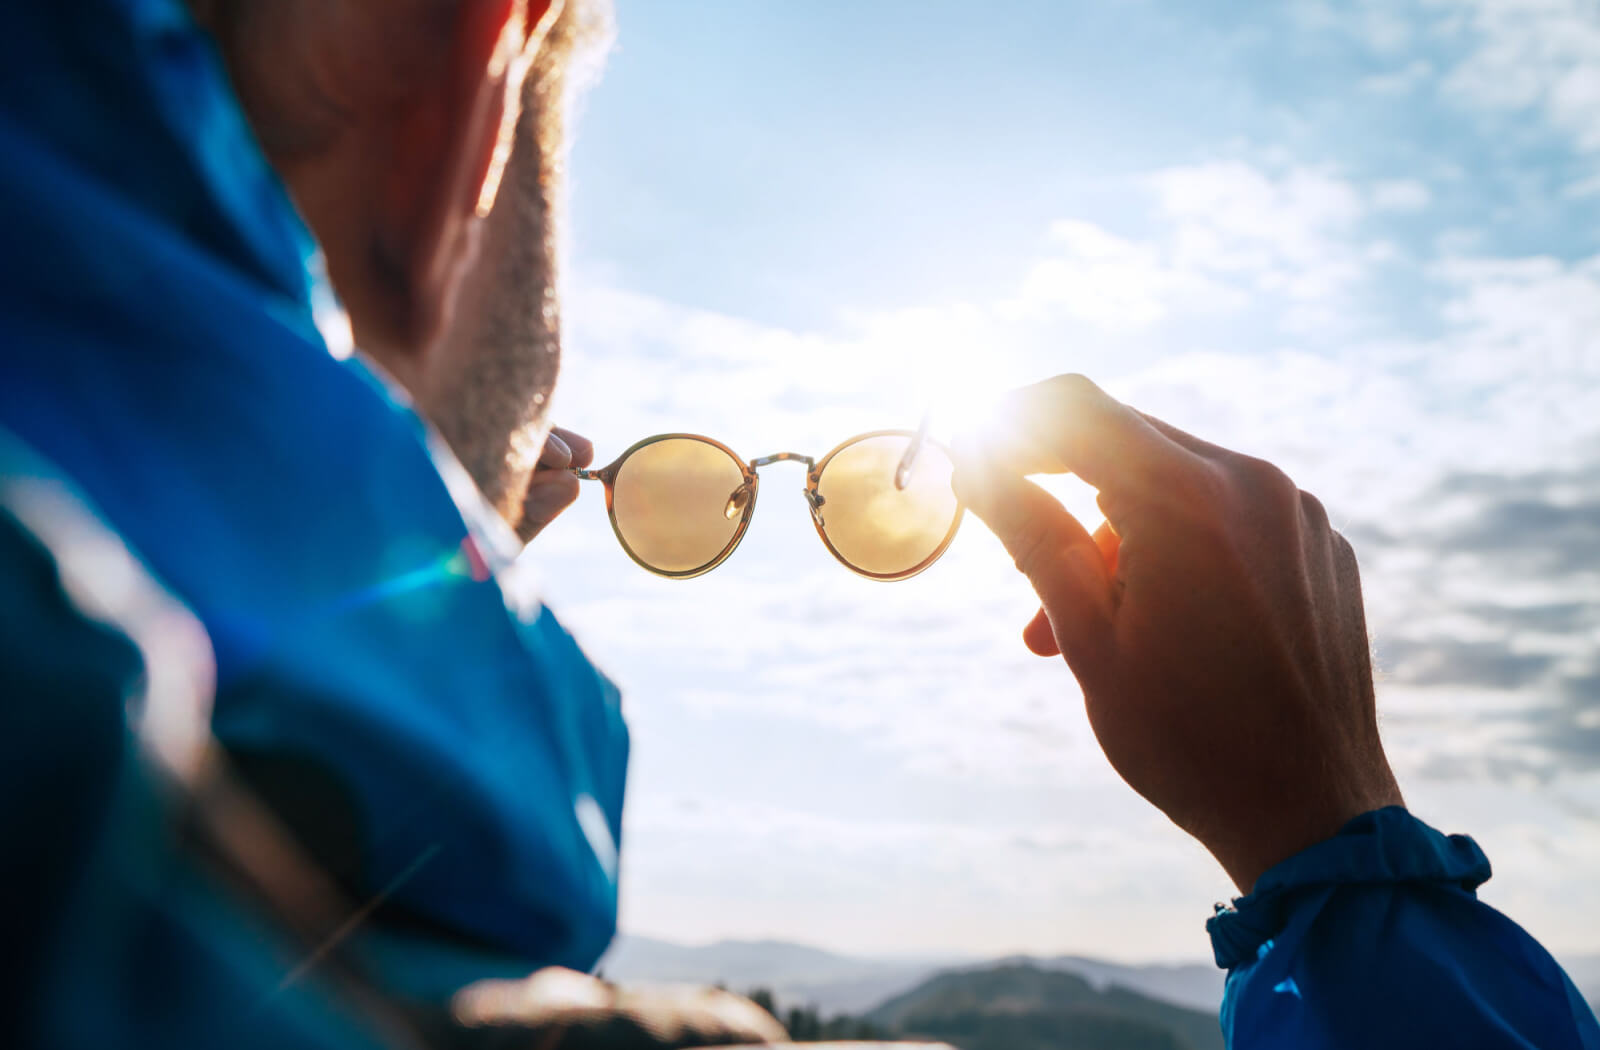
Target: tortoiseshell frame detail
607, 475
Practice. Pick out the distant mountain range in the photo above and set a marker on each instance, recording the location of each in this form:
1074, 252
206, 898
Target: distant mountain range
795, 973
835, 983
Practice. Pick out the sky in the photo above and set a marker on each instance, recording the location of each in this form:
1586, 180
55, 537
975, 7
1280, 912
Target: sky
1360, 240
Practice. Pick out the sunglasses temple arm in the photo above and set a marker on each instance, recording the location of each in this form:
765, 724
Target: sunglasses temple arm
902, 473
586, 475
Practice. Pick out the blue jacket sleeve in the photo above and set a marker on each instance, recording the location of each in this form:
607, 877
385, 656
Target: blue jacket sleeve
1375, 938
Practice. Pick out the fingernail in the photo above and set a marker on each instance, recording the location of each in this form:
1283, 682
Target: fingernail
556, 451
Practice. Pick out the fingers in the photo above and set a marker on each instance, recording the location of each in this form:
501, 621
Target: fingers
1179, 437
549, 493
556, 454
552, 489
563, 448
1110, 545
1070, 422
1052, 549
580, 449
1039, 636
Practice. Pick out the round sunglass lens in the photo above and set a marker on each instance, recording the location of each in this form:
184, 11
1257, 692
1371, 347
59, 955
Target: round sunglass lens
881, 528
671, 501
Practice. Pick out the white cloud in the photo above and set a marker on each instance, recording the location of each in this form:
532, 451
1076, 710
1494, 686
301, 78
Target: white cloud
1534, 325
1232, 216
1541, 55
1113, 283
1038, 882
1227, 238
1266, 248
1287, 239
1493, 56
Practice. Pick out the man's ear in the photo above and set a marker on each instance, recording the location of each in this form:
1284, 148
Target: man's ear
431, 160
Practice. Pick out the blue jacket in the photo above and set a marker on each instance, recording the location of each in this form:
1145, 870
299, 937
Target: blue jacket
1375, 938
371, 628
118, 934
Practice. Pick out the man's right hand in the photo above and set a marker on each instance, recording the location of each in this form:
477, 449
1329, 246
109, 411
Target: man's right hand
1215, 625
552, 488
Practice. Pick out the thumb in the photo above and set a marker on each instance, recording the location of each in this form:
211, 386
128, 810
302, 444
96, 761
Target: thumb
1052, 549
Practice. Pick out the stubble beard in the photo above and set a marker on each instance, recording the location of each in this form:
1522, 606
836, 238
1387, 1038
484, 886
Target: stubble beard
489, 390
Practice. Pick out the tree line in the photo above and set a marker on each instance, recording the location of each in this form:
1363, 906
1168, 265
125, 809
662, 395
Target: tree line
806, 1025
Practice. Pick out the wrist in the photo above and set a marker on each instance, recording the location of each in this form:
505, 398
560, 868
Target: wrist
1384, 848
1271, 835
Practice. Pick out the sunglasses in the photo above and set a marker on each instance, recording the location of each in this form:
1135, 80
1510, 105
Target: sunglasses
881, 502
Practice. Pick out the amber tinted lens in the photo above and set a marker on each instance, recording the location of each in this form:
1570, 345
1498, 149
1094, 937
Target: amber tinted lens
877, 528
678, 503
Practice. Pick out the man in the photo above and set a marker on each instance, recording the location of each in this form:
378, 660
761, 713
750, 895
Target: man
425, 725
422, 723
465, 765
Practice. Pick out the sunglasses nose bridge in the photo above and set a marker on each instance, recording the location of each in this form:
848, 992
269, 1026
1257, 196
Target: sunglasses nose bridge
814, 498
782, 457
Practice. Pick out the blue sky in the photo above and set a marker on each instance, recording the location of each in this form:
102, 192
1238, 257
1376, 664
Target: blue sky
1361, 241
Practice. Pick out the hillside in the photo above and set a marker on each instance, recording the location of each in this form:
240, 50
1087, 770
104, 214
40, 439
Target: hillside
1195, 985
1019, 1006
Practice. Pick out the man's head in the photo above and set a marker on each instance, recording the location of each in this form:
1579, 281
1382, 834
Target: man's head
412, 134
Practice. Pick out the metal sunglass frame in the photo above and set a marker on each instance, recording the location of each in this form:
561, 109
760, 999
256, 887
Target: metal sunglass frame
607, 475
